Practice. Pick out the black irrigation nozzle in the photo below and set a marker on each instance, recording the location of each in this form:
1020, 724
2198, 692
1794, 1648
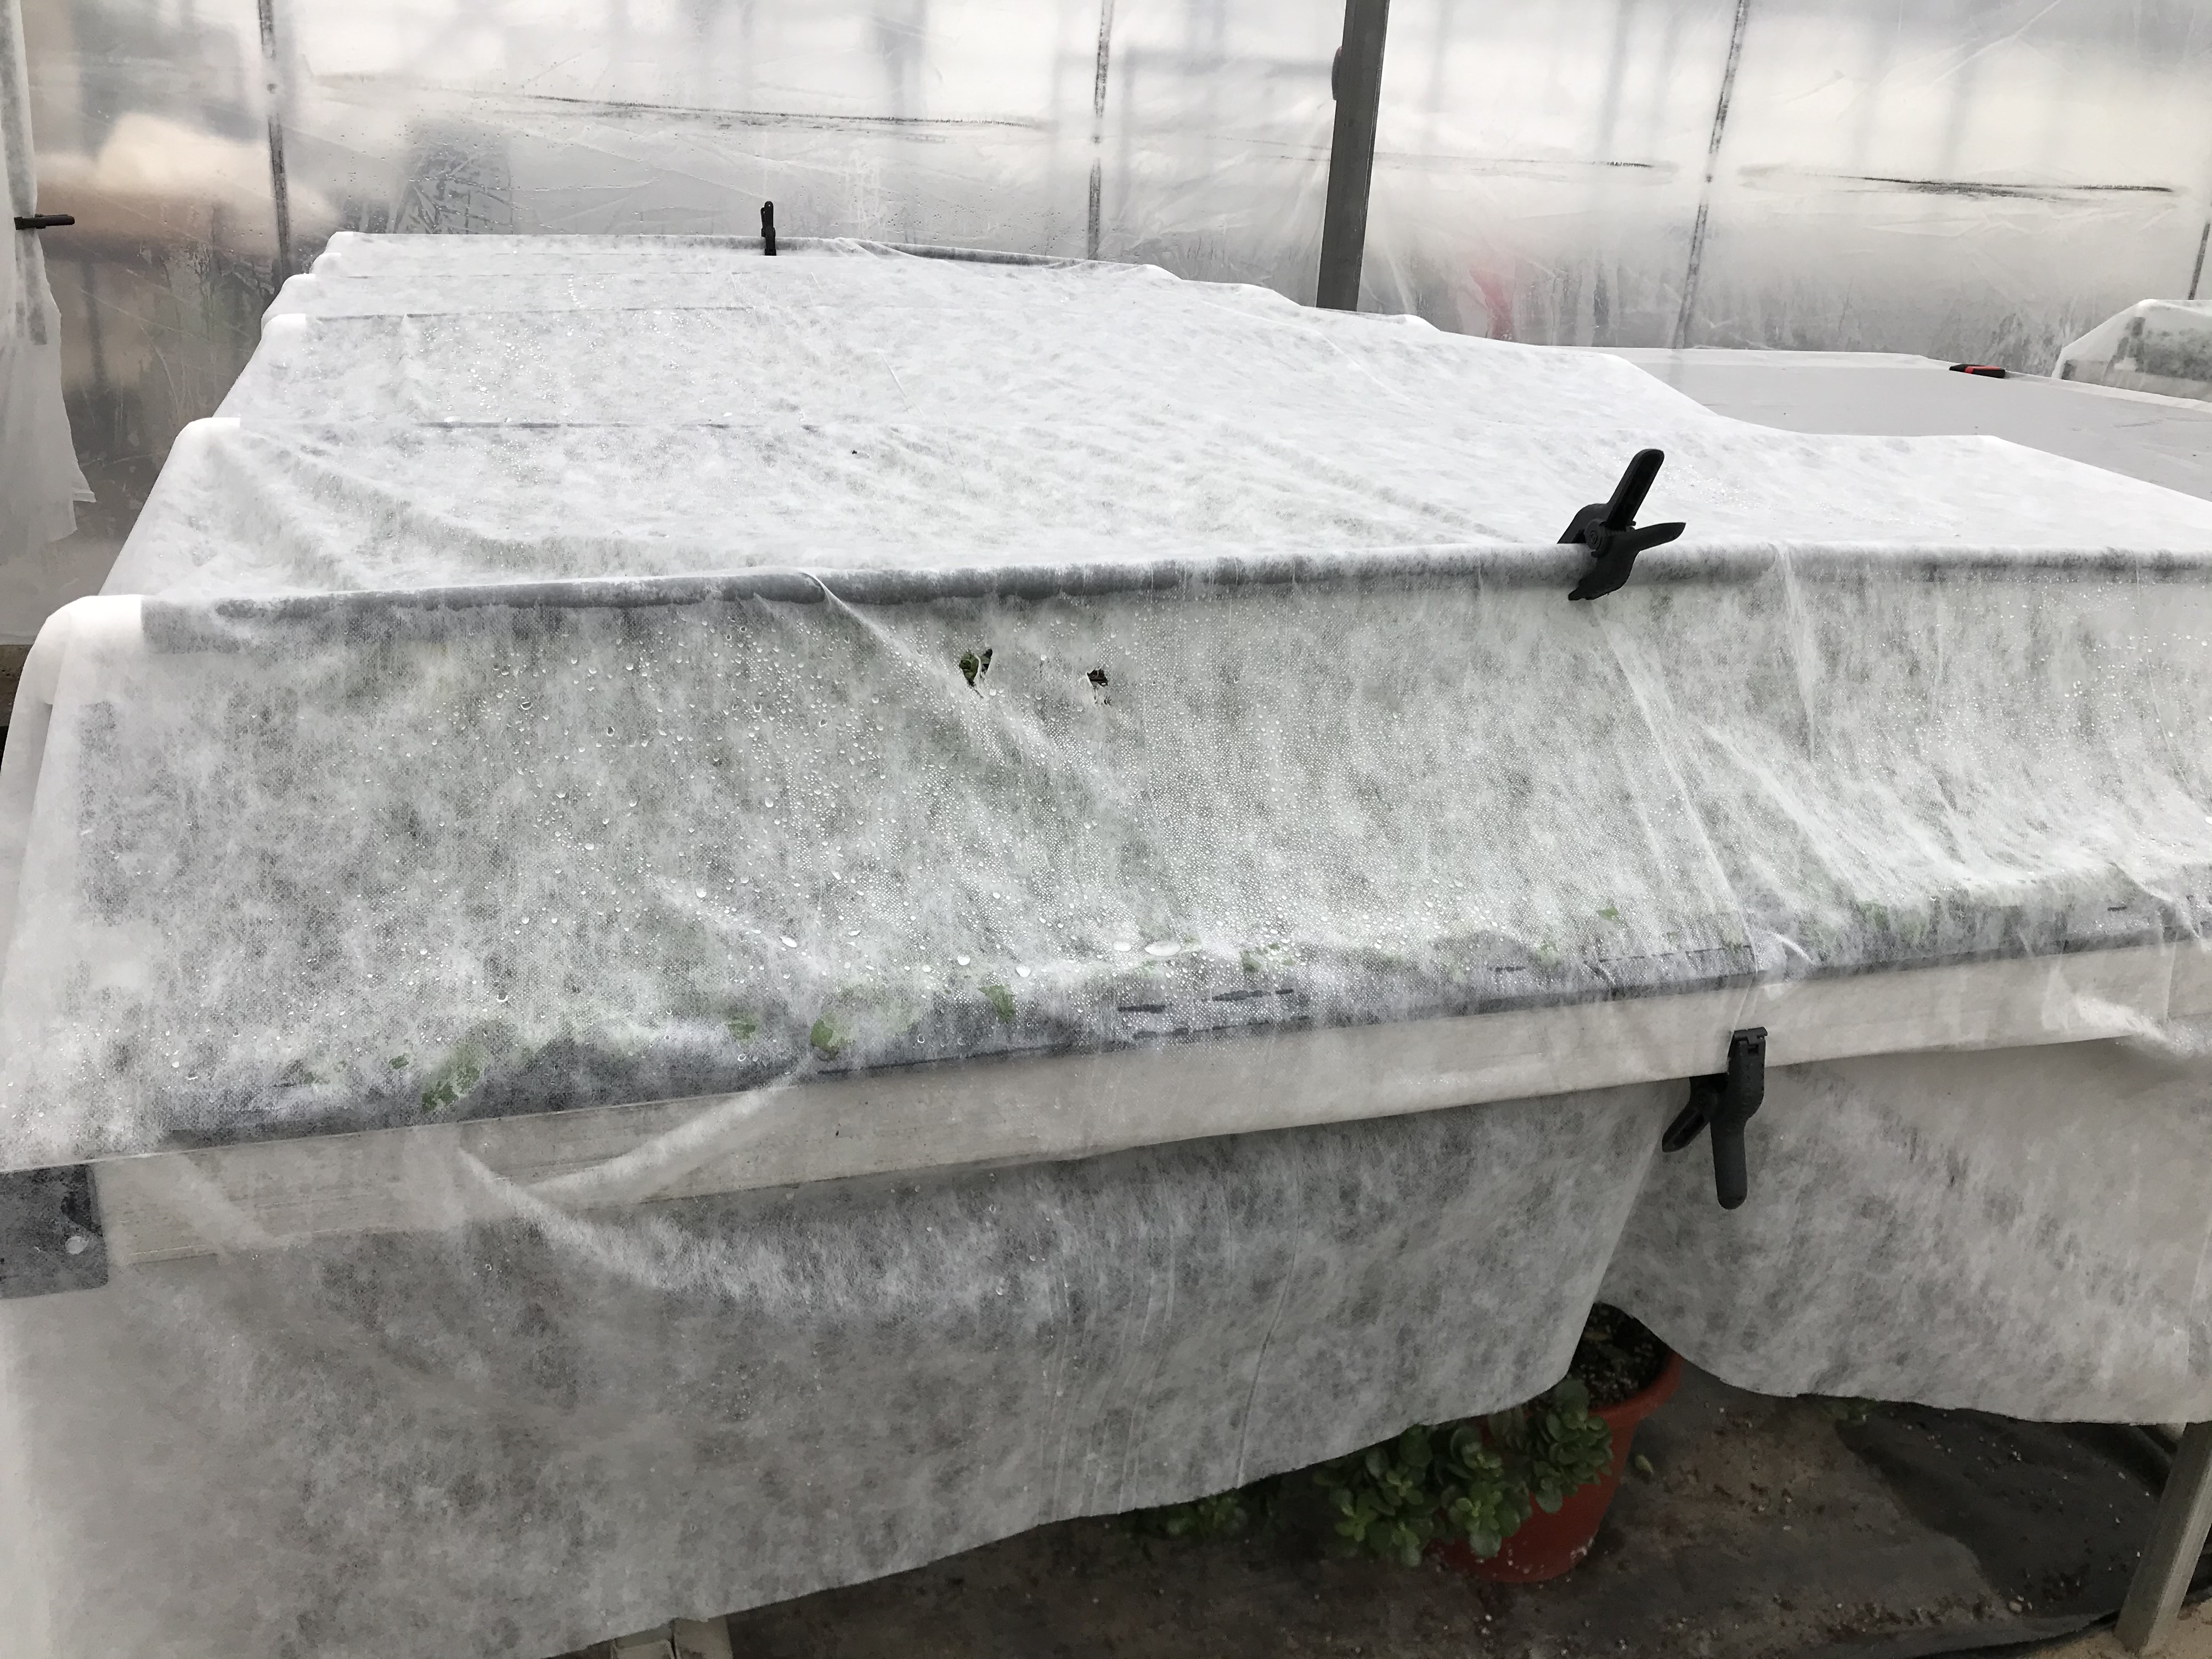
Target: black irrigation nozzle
1608, 528
768, 228
44, 221
1723, 1103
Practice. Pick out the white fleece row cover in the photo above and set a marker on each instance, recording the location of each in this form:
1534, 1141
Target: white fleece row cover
577, 673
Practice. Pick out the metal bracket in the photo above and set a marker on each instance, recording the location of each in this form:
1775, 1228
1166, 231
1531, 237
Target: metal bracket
50, 1234
1608, 528
1724, 1103
44, 221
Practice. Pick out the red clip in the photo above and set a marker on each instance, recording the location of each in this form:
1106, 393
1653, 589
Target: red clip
1989, 369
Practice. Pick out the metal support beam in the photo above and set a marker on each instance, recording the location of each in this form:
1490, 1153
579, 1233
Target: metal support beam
1689, 312
1356, 84
2177, 1540
173, 1206
1099, 126
275, 83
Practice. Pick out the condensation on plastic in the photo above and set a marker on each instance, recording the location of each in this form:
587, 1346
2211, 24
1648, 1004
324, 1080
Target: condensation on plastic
477, 751
39, 482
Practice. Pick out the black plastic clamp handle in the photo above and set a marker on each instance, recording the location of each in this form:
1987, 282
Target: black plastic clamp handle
768, 228
1723, 1104
44, 221
1608, 528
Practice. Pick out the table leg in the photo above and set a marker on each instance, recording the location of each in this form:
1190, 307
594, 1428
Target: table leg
2177, 1540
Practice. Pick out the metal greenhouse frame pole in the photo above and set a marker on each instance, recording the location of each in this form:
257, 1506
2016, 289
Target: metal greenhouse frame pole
1357, 85
2176, 1540
275, 83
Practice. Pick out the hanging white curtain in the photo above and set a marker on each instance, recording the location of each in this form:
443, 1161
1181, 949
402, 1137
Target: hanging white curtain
40, 481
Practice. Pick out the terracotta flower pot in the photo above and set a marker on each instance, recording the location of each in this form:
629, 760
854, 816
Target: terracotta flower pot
1546, 1546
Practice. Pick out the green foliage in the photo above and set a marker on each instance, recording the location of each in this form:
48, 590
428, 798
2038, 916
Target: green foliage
1222, 1515
1259, 957
743, 1026
1382, 1498
454, 1080
1470, 1481
1393, 1500
1002, 1000
461, 1070
973, 666
484, 1048
825, 1036
1474, 1481
1555, 1445
1847, 1409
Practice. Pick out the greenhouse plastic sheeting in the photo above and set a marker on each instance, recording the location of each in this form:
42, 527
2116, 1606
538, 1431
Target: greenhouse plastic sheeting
1975, 182
2154, 345
715, 925
39, 482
